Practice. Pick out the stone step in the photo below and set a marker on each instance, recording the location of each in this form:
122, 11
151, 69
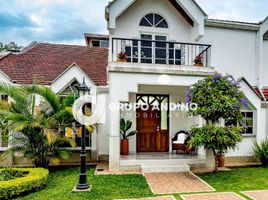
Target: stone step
157, 162
164, 168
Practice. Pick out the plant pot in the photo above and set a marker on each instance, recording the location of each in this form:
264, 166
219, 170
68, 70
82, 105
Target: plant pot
198, 65
121, 60
221, 160
124, 147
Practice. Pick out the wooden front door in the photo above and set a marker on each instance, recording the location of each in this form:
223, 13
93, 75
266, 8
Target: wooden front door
153, 134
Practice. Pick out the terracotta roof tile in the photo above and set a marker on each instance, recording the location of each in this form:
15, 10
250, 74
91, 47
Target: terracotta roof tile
265, 93
44, 62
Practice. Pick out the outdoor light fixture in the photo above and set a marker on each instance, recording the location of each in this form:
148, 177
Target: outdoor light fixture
83, 184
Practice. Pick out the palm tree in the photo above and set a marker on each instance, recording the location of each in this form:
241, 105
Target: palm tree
37, 132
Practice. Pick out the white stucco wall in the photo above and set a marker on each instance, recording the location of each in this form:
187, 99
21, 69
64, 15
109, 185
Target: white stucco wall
245, 148
4, 78
265, 63
233, 52
127, 25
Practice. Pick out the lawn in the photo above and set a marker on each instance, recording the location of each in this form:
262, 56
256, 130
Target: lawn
240, 179
61, 183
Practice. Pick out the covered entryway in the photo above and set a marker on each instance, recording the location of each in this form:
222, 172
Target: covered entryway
152, 123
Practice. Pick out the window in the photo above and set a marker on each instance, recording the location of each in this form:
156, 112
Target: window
100, 43
154, 20
247, 122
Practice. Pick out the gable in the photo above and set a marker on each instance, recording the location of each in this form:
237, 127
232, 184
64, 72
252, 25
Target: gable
188, 9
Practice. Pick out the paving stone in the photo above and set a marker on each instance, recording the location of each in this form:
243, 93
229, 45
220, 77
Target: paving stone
257, 195
213, 196
174, 182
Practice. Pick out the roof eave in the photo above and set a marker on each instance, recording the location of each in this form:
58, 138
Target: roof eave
232, 24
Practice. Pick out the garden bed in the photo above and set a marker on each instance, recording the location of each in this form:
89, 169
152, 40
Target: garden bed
19, 181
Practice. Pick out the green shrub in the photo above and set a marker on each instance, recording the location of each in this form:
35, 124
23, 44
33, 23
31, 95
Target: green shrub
34, 180
9, 174
261, 152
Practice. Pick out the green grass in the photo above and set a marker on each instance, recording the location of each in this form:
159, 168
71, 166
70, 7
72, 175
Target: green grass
61, 183
237, 180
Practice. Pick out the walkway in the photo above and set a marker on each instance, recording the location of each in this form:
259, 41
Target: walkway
170, 183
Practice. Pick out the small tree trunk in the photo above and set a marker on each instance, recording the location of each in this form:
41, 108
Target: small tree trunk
216, 161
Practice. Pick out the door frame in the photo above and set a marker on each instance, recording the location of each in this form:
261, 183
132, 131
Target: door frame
168, 118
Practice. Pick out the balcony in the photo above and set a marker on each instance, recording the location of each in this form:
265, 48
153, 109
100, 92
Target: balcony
160, 52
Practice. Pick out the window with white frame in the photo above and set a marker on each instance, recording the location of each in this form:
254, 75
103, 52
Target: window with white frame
247, 122
154, 20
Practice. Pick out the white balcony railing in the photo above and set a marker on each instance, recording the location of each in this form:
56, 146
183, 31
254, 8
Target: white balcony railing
160, 52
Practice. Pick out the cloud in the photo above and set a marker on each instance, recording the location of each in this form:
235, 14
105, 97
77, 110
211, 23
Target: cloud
237, 10
65, 21
8, 20
55, 21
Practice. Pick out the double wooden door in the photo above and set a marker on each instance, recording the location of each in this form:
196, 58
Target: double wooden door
152, 124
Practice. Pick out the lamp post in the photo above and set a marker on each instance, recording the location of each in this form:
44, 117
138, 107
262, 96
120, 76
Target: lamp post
83, 184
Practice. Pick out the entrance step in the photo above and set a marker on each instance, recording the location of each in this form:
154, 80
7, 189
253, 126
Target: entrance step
164, 168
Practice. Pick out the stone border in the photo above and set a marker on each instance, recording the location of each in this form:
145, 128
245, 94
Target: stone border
244, 192
150, 198
182, 195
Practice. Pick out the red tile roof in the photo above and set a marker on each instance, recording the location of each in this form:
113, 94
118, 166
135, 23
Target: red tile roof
265, 93
43, 63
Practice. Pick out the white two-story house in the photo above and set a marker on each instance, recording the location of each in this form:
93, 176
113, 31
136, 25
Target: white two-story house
159, 41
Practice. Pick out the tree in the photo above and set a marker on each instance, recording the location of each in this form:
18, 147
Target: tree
36, 132
218, 97
12, 46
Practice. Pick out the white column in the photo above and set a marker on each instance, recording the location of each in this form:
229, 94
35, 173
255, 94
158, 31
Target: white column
114, 140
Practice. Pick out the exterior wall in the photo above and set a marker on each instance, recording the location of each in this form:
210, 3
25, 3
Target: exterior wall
245, 147
233, 52
127, 25
4, 78
265, 63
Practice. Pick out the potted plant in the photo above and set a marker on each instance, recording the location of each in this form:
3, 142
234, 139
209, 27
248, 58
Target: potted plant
212, 108
221, 159
198, 61
122, 57
125, 126
261, 152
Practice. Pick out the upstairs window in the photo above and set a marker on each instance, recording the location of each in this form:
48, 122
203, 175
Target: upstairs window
154, 20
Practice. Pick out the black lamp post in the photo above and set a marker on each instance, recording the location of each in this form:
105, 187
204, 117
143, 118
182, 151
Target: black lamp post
83, 184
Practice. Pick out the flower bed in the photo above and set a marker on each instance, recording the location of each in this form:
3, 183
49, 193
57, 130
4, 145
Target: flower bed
17, 181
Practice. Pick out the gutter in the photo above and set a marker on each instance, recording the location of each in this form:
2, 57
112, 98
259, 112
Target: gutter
232, 24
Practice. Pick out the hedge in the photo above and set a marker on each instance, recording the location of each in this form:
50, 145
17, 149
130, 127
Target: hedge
34, 180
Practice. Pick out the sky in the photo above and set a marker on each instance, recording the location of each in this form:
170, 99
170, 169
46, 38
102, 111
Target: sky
65, 21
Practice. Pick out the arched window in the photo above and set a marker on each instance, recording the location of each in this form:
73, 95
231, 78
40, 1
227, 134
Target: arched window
154, 20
